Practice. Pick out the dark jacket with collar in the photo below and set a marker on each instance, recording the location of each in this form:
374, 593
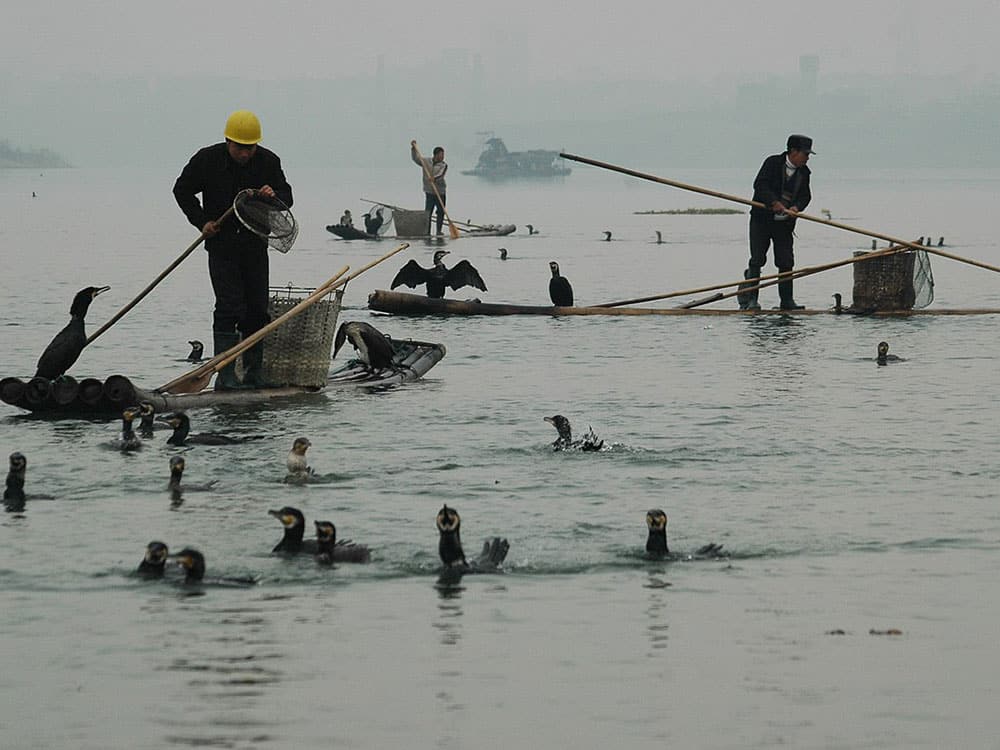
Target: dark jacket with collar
218, 178
770, 183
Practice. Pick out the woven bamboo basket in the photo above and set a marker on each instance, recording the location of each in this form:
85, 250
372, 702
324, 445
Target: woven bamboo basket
411, 223
884, 283
298, 352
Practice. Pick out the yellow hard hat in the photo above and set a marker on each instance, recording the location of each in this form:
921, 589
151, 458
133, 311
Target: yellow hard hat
243, 127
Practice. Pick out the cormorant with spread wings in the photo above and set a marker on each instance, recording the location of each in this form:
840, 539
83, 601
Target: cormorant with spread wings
440, 276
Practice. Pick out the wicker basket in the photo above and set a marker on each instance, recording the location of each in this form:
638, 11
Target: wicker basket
298, 352
884, 283
411, 223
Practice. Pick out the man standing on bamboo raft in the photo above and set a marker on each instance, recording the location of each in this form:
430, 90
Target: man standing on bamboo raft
435, 170
782, 184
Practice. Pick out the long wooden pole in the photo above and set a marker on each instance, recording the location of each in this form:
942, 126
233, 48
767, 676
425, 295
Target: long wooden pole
452, 229
758, 204
180, 258
777, 276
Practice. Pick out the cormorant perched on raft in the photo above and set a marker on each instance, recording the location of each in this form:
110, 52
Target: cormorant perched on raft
13, 493
154, 562
193, 564
656, 541
65, 348
182, 433
296, 461
374, 223
439, 277
329, 550
197, 350
374, 348
560, 290
565, 441
128, 440
883, 357
177, 466
450, 546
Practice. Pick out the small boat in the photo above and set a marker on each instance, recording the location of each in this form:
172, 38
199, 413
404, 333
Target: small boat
485, 230
411, 359
349, 232
497, 163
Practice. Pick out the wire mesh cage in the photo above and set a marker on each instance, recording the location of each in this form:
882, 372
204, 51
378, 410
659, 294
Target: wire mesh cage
411, 223
298, 352
900, 281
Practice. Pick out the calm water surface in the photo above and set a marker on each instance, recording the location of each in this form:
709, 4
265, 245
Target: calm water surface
850, 497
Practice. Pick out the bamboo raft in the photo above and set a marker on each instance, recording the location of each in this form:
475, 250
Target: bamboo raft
401, 303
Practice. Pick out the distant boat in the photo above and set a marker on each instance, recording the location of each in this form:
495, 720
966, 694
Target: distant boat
497, 163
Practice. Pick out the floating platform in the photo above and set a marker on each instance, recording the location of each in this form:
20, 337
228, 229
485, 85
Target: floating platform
68, 397
401, 303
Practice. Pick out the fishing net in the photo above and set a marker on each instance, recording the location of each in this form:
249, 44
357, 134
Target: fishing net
923, 279
268, 217
382, 217
900, 281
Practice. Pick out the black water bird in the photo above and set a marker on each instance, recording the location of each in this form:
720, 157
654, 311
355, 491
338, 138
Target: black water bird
197, 350
607, 236
374, 223
181, 435
147, 417
883, 357
296, 461
329, 550
293, 541
192, 562
65, 348
560, 290
177, 466
531, 229
154, 561
565, 441
439, 276
13, 493
940, 242
656, 540
128, 440
450, 546
503, 253
659, 237
374, 348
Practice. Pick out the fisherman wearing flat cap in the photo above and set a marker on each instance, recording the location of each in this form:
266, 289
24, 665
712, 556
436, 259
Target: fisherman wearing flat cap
782, 185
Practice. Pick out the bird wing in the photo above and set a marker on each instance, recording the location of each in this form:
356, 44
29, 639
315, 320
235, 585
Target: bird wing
61, 353
464, 274
342, 333
412, 274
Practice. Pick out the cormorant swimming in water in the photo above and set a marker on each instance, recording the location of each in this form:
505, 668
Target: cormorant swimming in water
197, 350
193, 563
154, 562
65, 348
656, 541
329, 550
560, 290
607, 236
883, 357
374, 223
374, 348
296, 461
292, 543
503, 253
531, 229
439, 276
128, 440
565, 441
659, 237
450, 545
182, 433
147, 415
177, 466
13, 493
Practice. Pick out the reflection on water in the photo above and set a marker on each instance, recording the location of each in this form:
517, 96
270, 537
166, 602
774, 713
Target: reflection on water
656, 607
449, 588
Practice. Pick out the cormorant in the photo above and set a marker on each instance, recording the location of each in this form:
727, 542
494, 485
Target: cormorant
128, 440
182, 433
531, 229
374, 223
154, 562
65, 348
837, 305
13, 493
329, 550
439, 277
940, 242
296, 461
560, 290
656, 541
883, 357
193, 563
659, 237
177, 466
292, 543
503, 253
607, 236
450, 545
197, 350
374, 348
565, 441
147, 415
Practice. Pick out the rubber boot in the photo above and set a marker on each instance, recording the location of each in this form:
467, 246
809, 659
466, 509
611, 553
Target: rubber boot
785, 295
253, 367
226, 379
748, 300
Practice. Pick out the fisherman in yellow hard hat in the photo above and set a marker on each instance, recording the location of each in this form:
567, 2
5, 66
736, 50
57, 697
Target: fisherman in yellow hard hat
237, 257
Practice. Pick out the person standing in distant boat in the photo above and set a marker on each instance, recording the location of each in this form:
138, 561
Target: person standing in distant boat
782, 184
436, 168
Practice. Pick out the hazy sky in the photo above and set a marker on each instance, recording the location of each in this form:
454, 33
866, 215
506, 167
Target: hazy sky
631, 38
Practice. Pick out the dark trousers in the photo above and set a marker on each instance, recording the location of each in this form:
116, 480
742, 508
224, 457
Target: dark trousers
239, 279
430, 204
765, 231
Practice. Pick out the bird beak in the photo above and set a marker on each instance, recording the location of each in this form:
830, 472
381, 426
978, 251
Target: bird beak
550, 420
99, 290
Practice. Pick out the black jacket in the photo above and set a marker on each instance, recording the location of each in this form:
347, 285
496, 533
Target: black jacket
770, 183
218, 178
